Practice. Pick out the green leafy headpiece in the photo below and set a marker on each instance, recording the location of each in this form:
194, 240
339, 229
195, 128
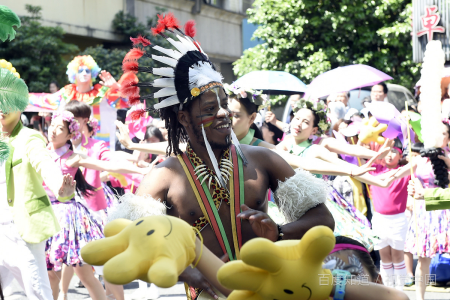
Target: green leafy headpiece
320, 110
8, 19
13, 92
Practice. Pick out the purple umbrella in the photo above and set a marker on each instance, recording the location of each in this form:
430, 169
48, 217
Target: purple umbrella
386, 113
347, 158
344, 79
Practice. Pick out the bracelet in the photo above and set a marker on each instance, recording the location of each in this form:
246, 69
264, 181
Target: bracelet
280, 233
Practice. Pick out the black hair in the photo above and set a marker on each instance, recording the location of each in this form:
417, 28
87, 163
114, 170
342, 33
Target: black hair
79, 110
363, 256
448, 128
55, 83
83, 188
176, 132
1, 292
153, 131
398, 144
385, 89
277, 132
416, 147
250, 108
315, 115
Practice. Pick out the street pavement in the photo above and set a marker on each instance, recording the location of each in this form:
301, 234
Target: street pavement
176, 292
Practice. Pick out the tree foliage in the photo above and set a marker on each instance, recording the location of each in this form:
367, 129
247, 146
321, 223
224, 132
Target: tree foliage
38, 52
309, 37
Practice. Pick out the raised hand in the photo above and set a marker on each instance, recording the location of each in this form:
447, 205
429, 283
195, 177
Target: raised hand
107, 80
270, 118
124, 135
415, 189
68, 186
262, 224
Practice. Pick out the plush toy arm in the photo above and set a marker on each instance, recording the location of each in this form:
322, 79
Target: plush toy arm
257, 251
163, 273
299, 193
244, 295
236, 275
98, 252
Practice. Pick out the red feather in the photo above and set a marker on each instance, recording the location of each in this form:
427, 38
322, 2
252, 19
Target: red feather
133, 54
130, 66
128, 87
189, 28
161, 19
159, 28
171, 22
134, 100
140, 40
137, 114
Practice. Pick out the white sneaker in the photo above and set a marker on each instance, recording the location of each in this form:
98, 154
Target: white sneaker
140, 294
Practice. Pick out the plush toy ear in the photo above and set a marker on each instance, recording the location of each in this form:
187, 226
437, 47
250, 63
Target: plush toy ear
125, 267
163, 273
244, 295
116, 226
256, 251
98, 252
236, 275
316, 244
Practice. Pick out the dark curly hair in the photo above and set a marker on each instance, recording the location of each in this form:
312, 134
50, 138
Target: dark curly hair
175, 131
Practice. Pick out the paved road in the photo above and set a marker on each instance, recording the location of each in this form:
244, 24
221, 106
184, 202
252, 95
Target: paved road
174, 293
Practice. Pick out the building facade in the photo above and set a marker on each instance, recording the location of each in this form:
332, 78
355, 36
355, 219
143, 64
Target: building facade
431, 21
88, 22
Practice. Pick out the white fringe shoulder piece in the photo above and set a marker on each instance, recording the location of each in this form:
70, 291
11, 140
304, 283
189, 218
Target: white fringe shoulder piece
299, 193
132, 207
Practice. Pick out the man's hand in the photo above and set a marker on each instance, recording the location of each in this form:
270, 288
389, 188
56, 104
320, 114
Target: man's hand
415, 189
124, 135
262, 224
107, 80
194, 278
271, 118
67, 187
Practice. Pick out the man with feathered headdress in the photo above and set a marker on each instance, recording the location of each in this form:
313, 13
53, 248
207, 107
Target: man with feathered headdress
26, 216
217, 185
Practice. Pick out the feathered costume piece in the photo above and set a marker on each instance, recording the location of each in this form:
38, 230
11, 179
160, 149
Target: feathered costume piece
187, 73
432, 67
8, 19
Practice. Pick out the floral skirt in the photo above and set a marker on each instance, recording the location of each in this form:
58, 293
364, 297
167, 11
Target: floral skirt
111, 199
77, 229
433, 229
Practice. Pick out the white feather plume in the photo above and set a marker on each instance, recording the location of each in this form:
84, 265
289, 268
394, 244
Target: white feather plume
201, 74
164, 82
169, 52
132, 207
189, 44
165, 60
300, 193
166, 72
182, 48
167, 102
165, 92
430, 94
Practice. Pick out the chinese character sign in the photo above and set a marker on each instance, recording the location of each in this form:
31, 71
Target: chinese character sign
429, 23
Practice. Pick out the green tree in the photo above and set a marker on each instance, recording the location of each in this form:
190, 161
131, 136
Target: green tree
38, 52
309, 37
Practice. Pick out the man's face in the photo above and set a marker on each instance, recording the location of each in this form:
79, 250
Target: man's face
377, 93
215, 118
293, 100
342, 97
84, 74
162, 127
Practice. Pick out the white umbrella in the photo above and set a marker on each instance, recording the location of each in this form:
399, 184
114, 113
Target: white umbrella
272, 82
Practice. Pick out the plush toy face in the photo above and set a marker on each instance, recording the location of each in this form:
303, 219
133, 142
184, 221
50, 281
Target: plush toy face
371, 130
154, 249
286, 270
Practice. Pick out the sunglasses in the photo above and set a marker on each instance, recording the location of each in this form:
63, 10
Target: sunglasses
87, 70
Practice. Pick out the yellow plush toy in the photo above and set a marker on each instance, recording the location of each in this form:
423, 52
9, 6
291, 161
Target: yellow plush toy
154, 249
285, 270
371, 130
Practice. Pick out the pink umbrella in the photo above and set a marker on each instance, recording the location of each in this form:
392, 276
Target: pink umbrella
344, 79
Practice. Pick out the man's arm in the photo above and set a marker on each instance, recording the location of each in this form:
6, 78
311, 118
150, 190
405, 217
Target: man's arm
304, 199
